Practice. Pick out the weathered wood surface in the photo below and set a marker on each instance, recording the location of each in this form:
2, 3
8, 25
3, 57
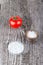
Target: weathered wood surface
29, 10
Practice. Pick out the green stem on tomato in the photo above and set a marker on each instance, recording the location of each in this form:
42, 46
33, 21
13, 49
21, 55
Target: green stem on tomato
15, 18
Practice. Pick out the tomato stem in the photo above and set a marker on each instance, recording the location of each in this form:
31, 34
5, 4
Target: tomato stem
15, 18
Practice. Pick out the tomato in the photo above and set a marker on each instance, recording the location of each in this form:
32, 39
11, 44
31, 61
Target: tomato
15, 21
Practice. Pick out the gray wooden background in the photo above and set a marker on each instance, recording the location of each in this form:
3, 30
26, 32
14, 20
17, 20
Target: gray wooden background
28, 10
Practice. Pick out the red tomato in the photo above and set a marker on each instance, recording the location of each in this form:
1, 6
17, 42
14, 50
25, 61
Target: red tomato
15, 22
